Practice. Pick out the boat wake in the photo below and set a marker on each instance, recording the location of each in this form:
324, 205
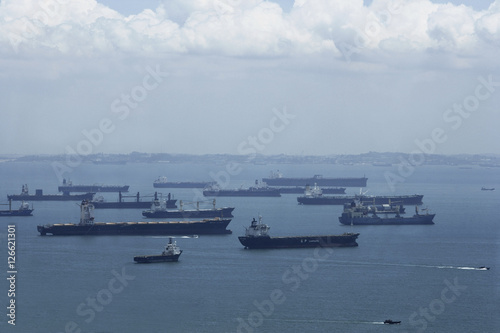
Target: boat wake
481, 268
328, 321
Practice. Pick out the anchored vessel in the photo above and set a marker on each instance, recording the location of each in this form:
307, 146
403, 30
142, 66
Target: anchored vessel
303, 189
171, 253
24, 210
277, 179
87, 226
257, 237
39, 196
358, 214
68, 187
159, 210
316, 197
163, 182
255, 191
100, 203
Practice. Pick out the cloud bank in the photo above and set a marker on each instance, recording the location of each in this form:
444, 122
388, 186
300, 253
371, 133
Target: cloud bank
341, 29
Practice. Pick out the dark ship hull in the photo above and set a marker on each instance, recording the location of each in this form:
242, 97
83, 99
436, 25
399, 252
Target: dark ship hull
19, 212
345, 240
376, 200
92, 188
264, 192
205, 227
319, 181
195, 213
183, 184
346, 219
301, 189
156, 258
50, 197
131, 204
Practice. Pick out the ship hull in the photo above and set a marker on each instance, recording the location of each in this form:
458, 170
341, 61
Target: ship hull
50, 197
131, 204
347, 182
201, 213
377, 200
92, 188
345, 240
183, 184
301, 189
156, 258
205, 227
243, 193
346, 219
24, 212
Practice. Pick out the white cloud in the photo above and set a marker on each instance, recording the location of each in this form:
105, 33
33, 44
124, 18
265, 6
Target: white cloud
246, 28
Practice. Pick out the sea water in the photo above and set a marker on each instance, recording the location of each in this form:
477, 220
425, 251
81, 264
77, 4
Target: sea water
427, 276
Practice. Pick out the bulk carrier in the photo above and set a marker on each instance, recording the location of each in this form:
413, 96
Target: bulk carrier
88, 226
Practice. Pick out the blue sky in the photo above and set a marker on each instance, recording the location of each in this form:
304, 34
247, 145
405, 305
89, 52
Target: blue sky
234, 76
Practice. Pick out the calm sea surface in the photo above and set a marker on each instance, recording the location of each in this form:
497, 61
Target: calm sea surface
421, 275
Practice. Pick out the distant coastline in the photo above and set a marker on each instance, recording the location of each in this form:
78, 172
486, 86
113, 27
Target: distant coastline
384, 159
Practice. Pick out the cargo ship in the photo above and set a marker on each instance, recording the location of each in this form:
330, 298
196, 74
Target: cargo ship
355, 213
277, 179
39, 196
319, 199
162, 182
255, 191
68, 187
87, 226
100, 203
302, 189
257, 237
24, 210
159, 210
171, 253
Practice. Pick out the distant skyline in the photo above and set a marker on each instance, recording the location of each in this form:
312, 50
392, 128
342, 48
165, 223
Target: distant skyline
241, 77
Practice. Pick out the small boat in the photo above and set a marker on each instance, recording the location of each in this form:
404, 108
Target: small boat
391, 322
24, 210
484, 268
171, 253
487, 188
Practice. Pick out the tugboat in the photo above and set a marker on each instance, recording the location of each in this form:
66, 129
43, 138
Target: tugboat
159, 210
171, 253
24, 210
356, 213
257, 237
87, 226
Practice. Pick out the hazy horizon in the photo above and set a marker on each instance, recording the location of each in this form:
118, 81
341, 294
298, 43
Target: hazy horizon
243, 77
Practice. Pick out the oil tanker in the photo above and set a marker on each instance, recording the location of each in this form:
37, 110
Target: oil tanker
162, 182
415, 199
257, 237
87, 226
277, 179
39, 196
68, 187
357, 214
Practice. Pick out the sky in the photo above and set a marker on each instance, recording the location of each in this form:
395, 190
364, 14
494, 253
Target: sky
242, 77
